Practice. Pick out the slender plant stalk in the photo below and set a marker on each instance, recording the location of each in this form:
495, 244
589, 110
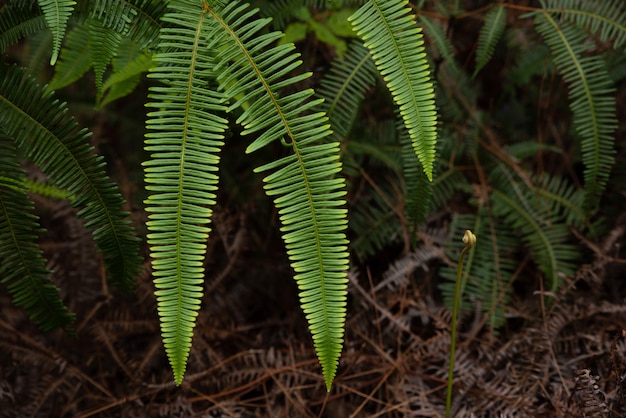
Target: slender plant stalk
469, 239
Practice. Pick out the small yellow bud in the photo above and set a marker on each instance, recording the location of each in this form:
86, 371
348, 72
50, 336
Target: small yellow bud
469, 239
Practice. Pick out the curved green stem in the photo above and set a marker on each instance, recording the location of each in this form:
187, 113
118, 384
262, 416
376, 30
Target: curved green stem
469, 239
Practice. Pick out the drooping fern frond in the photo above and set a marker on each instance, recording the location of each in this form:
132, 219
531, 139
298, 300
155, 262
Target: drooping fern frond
17, 19
344, 87
22, 264
75, 59
103, 44
591, 100
184, 138
490, 34
605, 19
38, 123
396, 45
308, 196
57, 14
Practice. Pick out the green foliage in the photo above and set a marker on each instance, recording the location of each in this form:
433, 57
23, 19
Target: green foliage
36, 122
591, 101
396, 45
489, 36
344, 85
184, 137
506, 166
57, 14
17, 20
23, 264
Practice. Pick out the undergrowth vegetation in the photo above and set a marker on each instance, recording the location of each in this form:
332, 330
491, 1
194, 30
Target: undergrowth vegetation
522, 143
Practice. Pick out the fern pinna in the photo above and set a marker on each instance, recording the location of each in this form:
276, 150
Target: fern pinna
218, 58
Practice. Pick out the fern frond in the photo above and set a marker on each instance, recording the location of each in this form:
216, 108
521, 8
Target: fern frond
308, 196
22, 264
490, 34
418, 188
397, 47
74, 61
139, 19
57, 14
39, 124
603, 18
440, 40
374, 225
540, 226
103, 44
128, 66
591, 101
344, 87
184, 138
560, 199
17, 20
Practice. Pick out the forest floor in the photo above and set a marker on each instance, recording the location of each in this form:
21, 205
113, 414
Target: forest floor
558, 355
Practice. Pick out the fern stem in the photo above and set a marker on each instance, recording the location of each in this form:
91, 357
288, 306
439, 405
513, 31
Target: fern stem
469, 239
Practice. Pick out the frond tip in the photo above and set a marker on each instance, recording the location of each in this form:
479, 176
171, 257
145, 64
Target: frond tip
397, 47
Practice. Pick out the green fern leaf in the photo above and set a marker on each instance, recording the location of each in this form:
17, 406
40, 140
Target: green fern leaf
139, 19
39, 124
490, 34
542, 231
75, 59
57, 13
22, 264
591, 100
605, 19
128, 66
344, 87
17, 20
184, 138
396, 44
103, 45
308, 196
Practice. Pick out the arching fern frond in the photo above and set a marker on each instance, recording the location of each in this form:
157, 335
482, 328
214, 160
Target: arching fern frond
57, 14
38, 123
603, 18
344, 87
184, 138
591, 101
490, 34
396, 44
17, 19
309, 198
22, 264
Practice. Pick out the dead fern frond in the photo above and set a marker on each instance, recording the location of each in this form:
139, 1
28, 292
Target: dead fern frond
590, 398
